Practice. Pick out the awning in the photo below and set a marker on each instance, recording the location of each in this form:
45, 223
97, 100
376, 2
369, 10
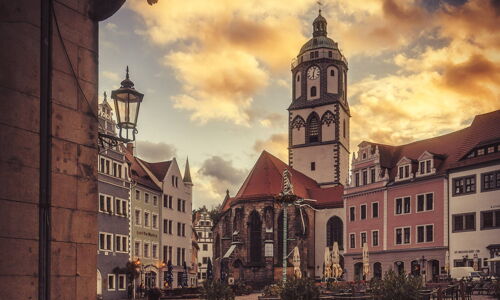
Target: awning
229, 251
496, 259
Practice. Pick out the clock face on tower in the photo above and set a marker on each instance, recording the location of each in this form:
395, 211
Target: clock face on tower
313, 73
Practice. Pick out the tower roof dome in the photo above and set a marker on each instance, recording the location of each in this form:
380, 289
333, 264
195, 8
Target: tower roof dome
319, 39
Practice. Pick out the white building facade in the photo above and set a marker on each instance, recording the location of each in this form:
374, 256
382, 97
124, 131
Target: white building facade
203, 227
474, 214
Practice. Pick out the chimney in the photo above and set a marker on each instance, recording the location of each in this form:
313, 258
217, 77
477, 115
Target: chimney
130, 148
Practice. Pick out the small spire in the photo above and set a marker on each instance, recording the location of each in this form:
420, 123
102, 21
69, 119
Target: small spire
127, 83
187, 173
127, 67
105, 97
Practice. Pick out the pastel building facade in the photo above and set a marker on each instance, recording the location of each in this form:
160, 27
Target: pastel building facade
400, 202
113, 206
145, 223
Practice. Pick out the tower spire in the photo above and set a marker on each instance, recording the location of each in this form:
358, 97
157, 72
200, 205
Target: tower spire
187, 173
319, 24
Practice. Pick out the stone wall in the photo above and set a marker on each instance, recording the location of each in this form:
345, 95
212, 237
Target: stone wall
73, 158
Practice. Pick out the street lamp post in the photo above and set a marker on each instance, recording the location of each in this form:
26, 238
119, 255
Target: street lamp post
127, 102
423, 269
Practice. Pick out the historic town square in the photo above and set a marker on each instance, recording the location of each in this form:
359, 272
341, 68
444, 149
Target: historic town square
250, 149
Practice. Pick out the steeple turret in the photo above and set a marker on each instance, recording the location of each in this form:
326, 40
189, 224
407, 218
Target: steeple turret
187, 173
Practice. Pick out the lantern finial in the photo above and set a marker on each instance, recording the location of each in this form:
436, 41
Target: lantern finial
127, 83
127, 74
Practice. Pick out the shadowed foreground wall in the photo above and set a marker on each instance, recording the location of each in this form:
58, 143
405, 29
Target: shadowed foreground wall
73, 188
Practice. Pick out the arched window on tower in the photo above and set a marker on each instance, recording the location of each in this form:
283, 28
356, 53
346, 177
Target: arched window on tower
332, 72
313, 91
313, 129
255, 228
334, 232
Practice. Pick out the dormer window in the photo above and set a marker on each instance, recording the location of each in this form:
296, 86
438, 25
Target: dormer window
404, 171
425, 166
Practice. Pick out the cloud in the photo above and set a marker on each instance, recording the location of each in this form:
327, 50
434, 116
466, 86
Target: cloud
220, 169
214, 177
276, 144
111, 76
153, 152
274, 120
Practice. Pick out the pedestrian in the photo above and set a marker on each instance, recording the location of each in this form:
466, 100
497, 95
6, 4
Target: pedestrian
130, 290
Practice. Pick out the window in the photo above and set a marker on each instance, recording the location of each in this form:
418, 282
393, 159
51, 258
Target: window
179, 204
119, 171
122, 282
121, 243
365, 177
205, 247
491, 181
183, 229
334, 232
490, 219
121, 207
332, 72
363, 238
183, 254
105, 203
102, 164
107, 167
170, 223
352, 240
464, 185
146, 198
115, 169
313, 133
375, 210
155, 200
155, 221
146, 219
330, 54
146, 249
403, 205
179, 230
375, 238
425, 233
165, 226
137, 248
403, 235
165, 201
372, 175
407, 235
138, 217
205, 260
178, 256
363, 212
425, 166
170, 202
154, 250
255, 239
298, 77
105, 241
183, 205
111, 282
137, 195
464, 222
404, 171
313, 166
352, 213
425, 202
356, 179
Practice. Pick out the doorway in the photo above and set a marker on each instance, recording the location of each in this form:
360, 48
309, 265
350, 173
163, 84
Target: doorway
150, 278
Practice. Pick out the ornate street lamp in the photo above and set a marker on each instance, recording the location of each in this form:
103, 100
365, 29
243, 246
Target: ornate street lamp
127, 103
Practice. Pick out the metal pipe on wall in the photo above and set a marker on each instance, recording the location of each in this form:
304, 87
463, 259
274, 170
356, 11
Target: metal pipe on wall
45, 150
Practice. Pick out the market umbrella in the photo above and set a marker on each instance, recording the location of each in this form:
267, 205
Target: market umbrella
366, 261
327, 273
184, 275
336, 268
296, 263
210, 274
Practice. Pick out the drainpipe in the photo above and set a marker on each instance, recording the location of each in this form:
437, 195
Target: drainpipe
45, 150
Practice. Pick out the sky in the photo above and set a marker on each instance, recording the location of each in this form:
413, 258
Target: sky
216, 74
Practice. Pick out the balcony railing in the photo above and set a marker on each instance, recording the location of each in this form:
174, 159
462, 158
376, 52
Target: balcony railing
318, 54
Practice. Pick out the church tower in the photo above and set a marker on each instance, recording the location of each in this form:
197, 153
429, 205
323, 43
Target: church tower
319, 113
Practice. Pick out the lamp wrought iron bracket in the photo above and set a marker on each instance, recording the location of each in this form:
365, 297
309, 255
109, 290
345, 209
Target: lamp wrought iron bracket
107, 141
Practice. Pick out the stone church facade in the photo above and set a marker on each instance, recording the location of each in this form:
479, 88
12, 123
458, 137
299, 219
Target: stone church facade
248, 238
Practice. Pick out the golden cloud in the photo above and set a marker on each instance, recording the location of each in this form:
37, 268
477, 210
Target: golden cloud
276, 144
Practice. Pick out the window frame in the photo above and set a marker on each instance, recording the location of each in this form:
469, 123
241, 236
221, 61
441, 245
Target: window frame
425, 209
140, 217
352, 242
361, 211
361, 238
154, 225
119, 244
403, 200
113, 288
107, 209
377, 210
123, 204
402, 235
352, 214
377, 239
138, 253
454, 193
124, 288
464, 223
425, 241
494, 212
495, 181
108, 248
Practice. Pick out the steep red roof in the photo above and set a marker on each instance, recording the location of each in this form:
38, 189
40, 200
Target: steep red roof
265, 180
159, 169
138, 174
